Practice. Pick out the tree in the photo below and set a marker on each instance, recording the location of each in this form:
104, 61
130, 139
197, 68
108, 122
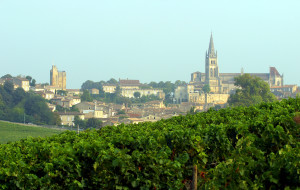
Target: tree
2, 108
79, 122
86, 96
7, 76
120, 112
87, 85
145, 86
253, 90
6, 97
33, 82
18, 95
91, 84
153, 84
62, 92
93, 123
56, 118
118, 91
113, 81
180, 83
29, 78
35, 106
137, 94
59, 108
9, 87
206, 88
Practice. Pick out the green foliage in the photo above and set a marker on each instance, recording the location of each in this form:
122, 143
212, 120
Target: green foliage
79, 122
253, 90
113, 98
86, 96
18, 95
59, 108
91, 84
31, 81
137, 94
234, 148
62, 92
15, 103
62, 109
121, 112
112, 81
8, 87
93, 123
206, 88
37, 110
7, 76
180, 83
28, 78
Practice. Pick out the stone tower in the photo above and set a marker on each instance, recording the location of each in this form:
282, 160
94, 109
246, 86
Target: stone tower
212, 69
58, 78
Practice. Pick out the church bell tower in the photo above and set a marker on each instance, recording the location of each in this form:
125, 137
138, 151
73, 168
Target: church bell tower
212, 69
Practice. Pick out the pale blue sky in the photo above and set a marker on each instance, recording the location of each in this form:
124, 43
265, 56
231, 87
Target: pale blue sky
149, 40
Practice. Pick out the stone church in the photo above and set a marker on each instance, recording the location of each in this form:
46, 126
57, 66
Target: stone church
221, 84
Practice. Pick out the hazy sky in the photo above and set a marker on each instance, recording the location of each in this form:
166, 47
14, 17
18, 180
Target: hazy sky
149, 40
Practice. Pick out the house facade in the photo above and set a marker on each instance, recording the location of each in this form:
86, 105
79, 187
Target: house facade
67, 118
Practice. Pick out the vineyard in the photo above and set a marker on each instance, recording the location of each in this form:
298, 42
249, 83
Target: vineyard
234, 148
10, 132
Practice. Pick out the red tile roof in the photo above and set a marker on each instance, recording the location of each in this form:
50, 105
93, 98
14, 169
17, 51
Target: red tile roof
129, 82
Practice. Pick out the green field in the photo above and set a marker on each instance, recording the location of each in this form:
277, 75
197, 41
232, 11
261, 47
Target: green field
13, 132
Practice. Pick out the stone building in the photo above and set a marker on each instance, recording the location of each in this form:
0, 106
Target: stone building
58, 78
67, 118
109, 88
129, 87
221, 84
129, 84
21, 82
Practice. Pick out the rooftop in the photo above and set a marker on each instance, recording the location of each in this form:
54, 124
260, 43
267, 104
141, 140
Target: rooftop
129, 82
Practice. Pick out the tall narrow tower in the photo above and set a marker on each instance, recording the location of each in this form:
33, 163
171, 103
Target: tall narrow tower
58, 78
212, 69
53, 76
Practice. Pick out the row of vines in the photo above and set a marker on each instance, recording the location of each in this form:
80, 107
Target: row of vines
234, 148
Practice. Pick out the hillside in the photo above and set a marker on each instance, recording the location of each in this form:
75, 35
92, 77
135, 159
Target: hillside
234, 148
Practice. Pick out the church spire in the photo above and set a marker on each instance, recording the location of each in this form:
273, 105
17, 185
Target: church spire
211, 49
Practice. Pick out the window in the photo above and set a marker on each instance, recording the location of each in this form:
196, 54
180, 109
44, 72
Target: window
211, 72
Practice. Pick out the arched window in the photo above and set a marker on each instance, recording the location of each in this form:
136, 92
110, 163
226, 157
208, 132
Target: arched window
211, 72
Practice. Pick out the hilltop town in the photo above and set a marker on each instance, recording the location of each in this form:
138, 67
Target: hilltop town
130, 101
